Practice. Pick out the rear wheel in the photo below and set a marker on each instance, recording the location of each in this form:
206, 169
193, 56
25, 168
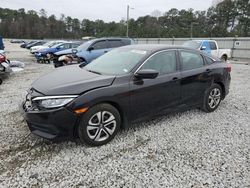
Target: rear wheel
224, 58
99, 125
213, 97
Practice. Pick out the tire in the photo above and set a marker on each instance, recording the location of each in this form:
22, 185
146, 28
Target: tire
40, 61
212, 99
224, 58
99, 125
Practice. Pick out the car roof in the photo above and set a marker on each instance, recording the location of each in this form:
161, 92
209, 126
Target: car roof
110, 38
158, 47
155, 47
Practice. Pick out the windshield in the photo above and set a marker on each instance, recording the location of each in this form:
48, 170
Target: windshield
48, 43
52, 44
84, 46
117, 62
192, 44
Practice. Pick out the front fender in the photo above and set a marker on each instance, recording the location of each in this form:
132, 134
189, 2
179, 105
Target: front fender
83, 55
117, 96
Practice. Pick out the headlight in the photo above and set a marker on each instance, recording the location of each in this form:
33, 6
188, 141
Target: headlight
53, 101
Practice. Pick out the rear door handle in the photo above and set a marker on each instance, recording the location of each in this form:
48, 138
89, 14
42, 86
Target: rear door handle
175, 78
105, 51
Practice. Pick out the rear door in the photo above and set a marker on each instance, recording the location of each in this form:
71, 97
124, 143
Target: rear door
195, 77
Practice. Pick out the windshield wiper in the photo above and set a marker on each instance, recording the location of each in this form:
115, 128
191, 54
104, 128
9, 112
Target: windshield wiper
94, 72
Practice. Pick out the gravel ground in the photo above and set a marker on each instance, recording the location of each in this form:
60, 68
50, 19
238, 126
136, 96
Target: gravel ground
190, 149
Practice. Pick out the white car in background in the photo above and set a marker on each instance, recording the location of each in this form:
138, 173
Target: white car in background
35, 49
210, 47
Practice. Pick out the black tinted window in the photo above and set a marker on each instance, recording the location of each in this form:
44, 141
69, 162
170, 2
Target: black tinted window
115, 43
99, 45
163, 62
212, 45
190, 60
126, 42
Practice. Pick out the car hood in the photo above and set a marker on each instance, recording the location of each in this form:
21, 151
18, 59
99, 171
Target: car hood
63, 52
70, 80
47, 50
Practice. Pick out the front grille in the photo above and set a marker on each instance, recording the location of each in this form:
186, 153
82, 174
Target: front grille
29, 105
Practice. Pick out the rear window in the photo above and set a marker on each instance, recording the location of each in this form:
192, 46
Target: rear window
212, 45
190, 60
115, 43
126, 42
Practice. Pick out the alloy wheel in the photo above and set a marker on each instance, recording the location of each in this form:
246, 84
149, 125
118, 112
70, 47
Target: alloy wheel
101, 126
214, 98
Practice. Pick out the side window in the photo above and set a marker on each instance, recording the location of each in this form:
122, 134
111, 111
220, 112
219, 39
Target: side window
75, 45
115, 43
126, 42
163, 62
208, 60
64, 46
190, 60
99, 45
212, 45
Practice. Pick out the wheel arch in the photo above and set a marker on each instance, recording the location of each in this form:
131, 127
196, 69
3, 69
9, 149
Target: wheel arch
222, 87
224, 56
124, 119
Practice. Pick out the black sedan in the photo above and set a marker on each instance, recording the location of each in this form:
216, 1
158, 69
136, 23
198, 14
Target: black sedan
126, 85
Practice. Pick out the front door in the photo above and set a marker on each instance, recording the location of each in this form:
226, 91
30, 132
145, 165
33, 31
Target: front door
150, 96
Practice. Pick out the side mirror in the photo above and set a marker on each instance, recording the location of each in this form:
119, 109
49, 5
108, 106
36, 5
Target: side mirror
146, 74
74, 51
203, 48
91, 48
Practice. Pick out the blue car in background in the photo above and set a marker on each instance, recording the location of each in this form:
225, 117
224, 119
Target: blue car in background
92, 49
1, 43
47, 54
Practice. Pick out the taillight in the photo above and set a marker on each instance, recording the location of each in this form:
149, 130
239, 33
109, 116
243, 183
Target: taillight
229, 68
2, 58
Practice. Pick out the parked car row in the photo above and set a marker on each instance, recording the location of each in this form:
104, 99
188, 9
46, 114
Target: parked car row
62, 52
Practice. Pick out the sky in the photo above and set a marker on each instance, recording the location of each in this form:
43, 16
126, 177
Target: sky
107, 10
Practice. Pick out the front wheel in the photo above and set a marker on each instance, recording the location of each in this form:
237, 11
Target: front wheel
99, 125
212, 98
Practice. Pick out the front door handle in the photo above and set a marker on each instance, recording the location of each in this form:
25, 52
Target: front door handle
175, 78
105, 51
208, 70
